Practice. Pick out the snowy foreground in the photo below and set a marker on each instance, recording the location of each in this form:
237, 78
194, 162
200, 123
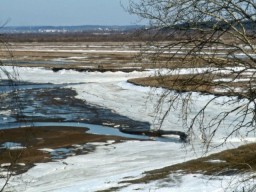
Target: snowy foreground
112, 163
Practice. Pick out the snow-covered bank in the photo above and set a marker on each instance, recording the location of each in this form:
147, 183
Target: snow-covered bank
109, 165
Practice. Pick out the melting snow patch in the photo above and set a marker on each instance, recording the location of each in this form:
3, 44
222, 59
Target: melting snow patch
5, 164
108, 124
47, 150
6, 112
215, 161
11, 146
111, 141
57, 98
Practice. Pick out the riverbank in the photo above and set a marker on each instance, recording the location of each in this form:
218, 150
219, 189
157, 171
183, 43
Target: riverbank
21, 148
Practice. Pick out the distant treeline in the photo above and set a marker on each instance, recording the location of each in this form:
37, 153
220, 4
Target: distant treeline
70, 29
77, 37
179, 32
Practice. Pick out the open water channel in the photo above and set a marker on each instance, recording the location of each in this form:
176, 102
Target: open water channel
25, 104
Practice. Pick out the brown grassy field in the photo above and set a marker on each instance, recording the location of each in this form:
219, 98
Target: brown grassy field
203, 83
35, 138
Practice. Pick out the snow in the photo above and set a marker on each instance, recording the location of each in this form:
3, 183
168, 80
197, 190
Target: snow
226, 90
47, 150
216, 161
111, 162
104, 168
231, 80
12, 146
6, 112
5, 164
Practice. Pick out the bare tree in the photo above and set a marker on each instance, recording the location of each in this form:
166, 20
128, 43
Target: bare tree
218, 39
215, 41
8, 89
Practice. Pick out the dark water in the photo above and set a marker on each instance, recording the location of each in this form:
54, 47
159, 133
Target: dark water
26, 102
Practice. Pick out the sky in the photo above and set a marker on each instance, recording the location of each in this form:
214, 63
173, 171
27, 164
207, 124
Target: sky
65, 12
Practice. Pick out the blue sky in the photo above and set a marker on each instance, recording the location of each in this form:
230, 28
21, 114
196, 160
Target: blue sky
65, 12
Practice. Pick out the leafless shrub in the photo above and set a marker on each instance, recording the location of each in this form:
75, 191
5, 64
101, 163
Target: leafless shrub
8, 83
218, 35
218, 39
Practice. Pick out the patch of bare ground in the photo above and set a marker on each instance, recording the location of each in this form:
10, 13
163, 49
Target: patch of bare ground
175, 82
35, 138
216, 84
228, 162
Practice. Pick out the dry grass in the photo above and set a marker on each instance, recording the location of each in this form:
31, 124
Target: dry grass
177, 82
39, 54
44, 137
204, 83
